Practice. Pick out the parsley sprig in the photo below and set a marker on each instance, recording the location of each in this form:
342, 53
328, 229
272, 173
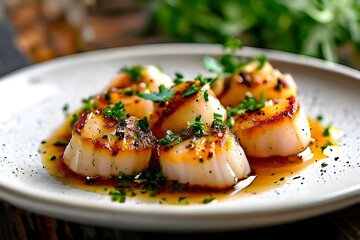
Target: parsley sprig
88, 104
194, 88
144, 125
169, 139
229, 64
262, 59
197, 127
217, 122
135, 72
116, 111
248, 104
179, 78
164, 94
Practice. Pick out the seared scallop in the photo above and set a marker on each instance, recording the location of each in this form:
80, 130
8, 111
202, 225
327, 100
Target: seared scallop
255, 79
127, 86
190, 100
215, 160
280, 128
105, 146
143, 77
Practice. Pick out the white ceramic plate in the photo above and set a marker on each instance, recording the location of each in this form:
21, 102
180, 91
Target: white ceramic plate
30, 109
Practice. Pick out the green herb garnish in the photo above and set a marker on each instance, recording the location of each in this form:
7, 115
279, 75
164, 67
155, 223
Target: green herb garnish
135, 72
128, 92
218, 122
74, 119
170, 139
319, 118
107, 97
179, 78
65, 109
118, 195
208, 200
120, 135
194, 89
191, 90
246, 105
61, 143
262, 59
164, 94
206, 96
88, 104
116, 111
327, 144
278, 85
229, 62
197, 127
232, 44
212, 65
326, 132
143, 124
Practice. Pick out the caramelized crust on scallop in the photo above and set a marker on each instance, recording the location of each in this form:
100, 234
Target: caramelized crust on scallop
213, 161
176, 113
268, 81
280, 128
104, 147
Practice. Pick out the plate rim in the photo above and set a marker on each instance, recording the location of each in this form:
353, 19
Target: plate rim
347, 197
197, 48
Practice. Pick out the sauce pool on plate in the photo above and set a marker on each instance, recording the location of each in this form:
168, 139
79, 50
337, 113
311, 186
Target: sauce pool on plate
267, 173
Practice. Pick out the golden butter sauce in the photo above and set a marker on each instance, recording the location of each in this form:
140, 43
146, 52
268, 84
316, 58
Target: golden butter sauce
270, 172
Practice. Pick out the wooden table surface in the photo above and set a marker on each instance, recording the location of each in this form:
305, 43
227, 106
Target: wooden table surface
16, 223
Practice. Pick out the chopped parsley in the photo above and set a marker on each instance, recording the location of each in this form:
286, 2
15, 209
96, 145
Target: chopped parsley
74, 119
231, 63
65, 109
218, 117
191, 90
88, 104
164, 94
218, 122
134, 72
197, 127
246, 105
118, 195
116, 111
327, 144
278, 85
179, 78
183, 200
106, 96
150, 181
208, 200
212, 65
262, 60
143, 124
61, 143
194, 89
232, 44
170, 139
326, 132
128, 92
120, 135
319, 118
324, 165
206, 96
204, 80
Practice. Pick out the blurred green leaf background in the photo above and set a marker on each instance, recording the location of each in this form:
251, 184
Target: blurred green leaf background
318, 28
